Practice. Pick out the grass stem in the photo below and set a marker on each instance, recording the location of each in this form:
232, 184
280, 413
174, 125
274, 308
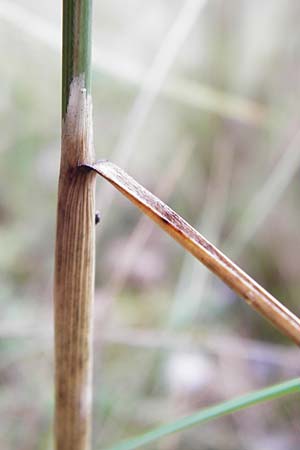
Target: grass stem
75, 241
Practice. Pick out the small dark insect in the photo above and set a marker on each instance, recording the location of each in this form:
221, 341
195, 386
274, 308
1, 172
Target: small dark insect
97, 217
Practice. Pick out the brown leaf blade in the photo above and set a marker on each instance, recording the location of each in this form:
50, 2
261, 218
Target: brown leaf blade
171, 222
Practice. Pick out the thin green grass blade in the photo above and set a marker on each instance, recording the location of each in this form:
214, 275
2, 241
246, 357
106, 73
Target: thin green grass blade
211, 413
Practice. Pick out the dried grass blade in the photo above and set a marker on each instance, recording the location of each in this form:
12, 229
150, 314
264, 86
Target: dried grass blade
245, 287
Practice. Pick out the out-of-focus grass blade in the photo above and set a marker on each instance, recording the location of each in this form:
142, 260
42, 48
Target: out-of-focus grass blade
207, 414
187, 92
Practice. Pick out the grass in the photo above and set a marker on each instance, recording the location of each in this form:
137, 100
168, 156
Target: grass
183, 109
211, 413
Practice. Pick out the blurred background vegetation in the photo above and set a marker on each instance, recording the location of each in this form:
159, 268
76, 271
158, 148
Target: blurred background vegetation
199, 101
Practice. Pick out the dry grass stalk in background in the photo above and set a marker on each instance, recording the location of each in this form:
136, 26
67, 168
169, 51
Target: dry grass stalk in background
190, 93
74, 259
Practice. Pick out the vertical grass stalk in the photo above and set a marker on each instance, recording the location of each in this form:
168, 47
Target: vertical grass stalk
74, 258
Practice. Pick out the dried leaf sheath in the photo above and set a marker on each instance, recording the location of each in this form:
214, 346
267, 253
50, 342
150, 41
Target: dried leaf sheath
74, 276
257, 297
